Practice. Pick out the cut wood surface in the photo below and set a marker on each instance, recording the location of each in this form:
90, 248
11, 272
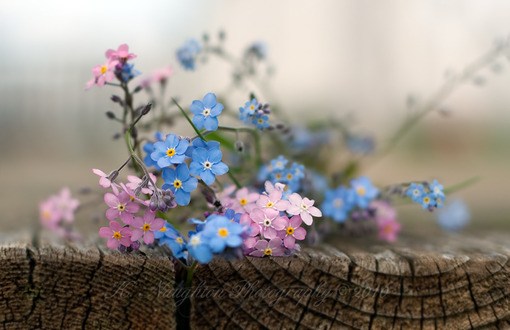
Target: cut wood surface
461, 283
48, 286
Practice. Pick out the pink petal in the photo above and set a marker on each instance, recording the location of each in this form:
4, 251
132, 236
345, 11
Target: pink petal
289, 242
105, 232
148, 238
112, 244
282, 205
149, 216
126, 241
271, 213
261, 244
99, 172
111, 200
257, 253
262, 201
254, 229
257, 215
112, 214
299, 233
132, 207
104, 182
278, 252
295, 199
274, 243
295, 221
293, 210
136, 234
308, 202
279, 223
268, 232
126, 217
157, 224
250, 242
307, 218
137, 222
315, 211
114, 225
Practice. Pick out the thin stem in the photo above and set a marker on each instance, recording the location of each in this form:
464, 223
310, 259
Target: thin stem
189, 274
256, 138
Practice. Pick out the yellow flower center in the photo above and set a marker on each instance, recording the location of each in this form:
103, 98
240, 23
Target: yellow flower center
223, 232
290, 230
121, 207
269, 204
104, 68
261, 121
170, 152
426, 200
278, 176
388, 229
163, 229
46, 215
132, 198
117, 235
179, 240
361, 191
338, 202
177, 184
252, 107
268, 251
146, 227
289, 176
243, 201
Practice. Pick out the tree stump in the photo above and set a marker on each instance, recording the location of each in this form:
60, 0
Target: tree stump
458, 284
73, 287
462, 284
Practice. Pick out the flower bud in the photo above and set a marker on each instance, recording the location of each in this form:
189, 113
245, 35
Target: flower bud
110, 115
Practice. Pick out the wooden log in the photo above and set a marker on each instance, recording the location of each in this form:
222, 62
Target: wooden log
72, 287
461, 284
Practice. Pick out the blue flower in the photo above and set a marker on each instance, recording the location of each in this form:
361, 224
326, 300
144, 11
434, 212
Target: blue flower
171, 151
232, 215
454, 216
428, 201
206, 111
149, 149
222, 233
248, 111
206, 164
198, 223
257, 49
360, 144
338, 203
365, 192
199, 248
415, 192
169, 236
180, 182
261, 121
199, 143
128, 72
298, 170
279, 163
188, 53
436, 189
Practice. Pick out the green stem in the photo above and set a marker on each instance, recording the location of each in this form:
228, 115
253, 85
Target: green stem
189, 274
461, 185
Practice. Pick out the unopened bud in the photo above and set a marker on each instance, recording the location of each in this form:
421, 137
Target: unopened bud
116, 99
110, 115
146, 109
239, 145
137, 89
116, 136
112, 176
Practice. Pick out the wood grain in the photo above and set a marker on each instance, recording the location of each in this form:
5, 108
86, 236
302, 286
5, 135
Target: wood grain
84, 287
462, 284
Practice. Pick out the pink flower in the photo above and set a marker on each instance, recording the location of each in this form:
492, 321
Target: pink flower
388, 229
292, 232
273, 200
102, 74
161, 75
386, 219
135, 182
244, 200
303, 207
121, 206
271, 248
104, 181
269, 221
48, 214
121, 54
116, 234
65, 205
277, 186
146, 226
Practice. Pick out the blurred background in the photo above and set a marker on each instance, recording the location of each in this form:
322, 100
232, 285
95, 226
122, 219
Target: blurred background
369, 60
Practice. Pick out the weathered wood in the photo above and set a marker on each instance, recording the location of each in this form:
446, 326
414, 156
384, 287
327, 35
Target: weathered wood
461, 284
71, 287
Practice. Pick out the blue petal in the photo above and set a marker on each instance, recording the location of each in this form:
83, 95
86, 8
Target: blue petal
177, 159
216, 110
199, 143
211, 123
234, 241
215, 155
195, 168
219, 168
182, 146
209, 100
202, 254
164, 162
197, 107
168, 175
170, 142
190, 185
181, 197
198, 120
217, 244
208, 177
182, 172
199, 155
212, 145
